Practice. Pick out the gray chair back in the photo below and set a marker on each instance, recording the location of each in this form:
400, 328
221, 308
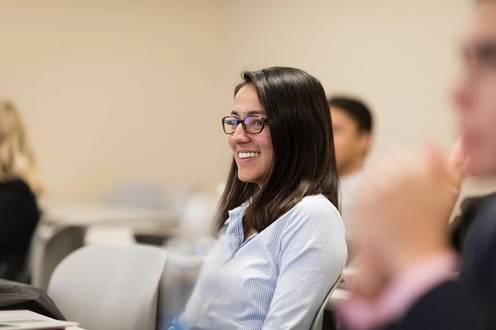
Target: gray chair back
49, 246
319, 317
109, 287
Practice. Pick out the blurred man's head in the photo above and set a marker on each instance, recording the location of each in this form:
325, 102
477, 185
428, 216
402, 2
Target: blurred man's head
352, 127
475, 97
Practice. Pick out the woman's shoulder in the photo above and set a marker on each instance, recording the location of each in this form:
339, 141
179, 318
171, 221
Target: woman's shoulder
312, 210
314, 218
316, 204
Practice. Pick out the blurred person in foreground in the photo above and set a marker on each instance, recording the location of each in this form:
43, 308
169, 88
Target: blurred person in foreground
19, 185
352, 128
407, 263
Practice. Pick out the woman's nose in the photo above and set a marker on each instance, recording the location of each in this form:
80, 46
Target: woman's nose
240, 135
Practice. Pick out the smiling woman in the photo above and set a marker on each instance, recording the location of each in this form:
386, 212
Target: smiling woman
281, 241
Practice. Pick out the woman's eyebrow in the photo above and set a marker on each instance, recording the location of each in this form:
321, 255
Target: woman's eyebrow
249, 113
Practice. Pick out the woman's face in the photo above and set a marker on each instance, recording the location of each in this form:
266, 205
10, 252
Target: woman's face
252, 152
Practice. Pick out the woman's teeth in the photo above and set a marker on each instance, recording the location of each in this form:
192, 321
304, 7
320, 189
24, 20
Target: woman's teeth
244, 155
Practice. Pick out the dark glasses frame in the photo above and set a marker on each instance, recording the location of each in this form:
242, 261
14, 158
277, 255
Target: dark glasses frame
245, 123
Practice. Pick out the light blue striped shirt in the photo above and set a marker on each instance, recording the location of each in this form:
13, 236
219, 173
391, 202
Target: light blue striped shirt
276, 279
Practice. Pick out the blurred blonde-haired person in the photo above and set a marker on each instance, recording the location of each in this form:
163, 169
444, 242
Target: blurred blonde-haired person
19, 186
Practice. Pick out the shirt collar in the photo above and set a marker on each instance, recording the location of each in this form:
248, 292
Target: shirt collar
234, 231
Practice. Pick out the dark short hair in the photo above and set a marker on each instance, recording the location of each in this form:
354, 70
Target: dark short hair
303, 148
356, 110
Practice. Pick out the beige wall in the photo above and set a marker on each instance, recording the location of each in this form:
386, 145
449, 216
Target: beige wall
117, 90
120, 89
398, 55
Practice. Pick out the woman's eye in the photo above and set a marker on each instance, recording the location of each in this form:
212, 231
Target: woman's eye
232, 121
256, 122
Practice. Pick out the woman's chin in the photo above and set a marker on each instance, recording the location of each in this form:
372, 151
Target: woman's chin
247, 178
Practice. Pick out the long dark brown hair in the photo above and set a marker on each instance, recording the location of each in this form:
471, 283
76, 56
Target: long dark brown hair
303, 148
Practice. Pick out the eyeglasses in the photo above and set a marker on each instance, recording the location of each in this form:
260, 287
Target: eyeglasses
251, 124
